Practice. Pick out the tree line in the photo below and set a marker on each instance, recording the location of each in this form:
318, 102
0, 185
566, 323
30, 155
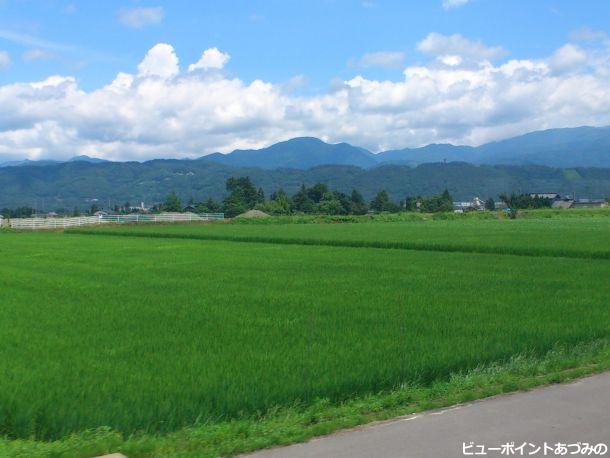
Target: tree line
243, 195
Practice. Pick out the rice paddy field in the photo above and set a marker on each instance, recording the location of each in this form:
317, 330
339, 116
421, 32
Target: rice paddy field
155, 328
584, 237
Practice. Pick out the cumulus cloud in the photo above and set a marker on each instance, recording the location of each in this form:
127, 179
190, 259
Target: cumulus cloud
450, 60
160, 61
159, 111
140, 16
450, 4
387, 59
436, 44
5, 60
211, 58
568, 57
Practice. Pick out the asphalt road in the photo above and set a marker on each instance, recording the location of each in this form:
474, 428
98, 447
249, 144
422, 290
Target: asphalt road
568, 414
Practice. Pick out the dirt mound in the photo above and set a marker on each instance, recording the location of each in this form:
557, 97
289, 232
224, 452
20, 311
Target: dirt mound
253, 214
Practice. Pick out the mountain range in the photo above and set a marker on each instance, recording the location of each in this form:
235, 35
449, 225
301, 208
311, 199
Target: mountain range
83, 158
568, 147
566, 161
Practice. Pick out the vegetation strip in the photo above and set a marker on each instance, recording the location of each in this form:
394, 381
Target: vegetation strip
288, 425
516, 251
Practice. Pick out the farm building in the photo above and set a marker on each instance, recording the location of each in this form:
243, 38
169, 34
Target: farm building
581, 203
589, 203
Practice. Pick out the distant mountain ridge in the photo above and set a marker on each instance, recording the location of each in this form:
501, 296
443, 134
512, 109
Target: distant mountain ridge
297, 153
566, 147
82, 158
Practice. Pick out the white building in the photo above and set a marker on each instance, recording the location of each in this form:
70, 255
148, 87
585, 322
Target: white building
474, 204
545, 195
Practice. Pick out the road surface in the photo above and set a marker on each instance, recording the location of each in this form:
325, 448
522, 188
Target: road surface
570, 413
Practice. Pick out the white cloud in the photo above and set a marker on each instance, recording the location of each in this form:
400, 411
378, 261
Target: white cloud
29, 40
450, 59
211, 58
5, 60
295, 83
588, 34
387, 59
436, 44
568, 57
160, 61
140, 16
450, 4
36, 54
159, 111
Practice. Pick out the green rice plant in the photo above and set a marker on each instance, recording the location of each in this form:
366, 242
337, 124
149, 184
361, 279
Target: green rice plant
296, 423
150, 335
577, 237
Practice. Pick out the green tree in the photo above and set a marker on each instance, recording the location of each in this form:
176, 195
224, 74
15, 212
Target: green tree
380, 202
302, 202
490, 204
243, 196
234, 205
209, 206
172, 203
358, 205
439, 203
317, 192
279, 204
333, 203
410, 204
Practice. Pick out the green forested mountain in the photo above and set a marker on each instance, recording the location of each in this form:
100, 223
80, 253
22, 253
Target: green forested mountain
298, 153
569, 147
77, 183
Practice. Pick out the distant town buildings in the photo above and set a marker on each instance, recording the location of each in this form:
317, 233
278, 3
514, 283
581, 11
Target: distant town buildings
475, 204
557, 201
569, 202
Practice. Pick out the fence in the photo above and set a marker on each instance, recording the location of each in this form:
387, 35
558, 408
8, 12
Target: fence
161, 218
60, 223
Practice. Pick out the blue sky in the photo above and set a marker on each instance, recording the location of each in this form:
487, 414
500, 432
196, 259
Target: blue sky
306, 52
275, 39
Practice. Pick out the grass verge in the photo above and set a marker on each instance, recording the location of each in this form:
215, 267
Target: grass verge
297, 423
419, 216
